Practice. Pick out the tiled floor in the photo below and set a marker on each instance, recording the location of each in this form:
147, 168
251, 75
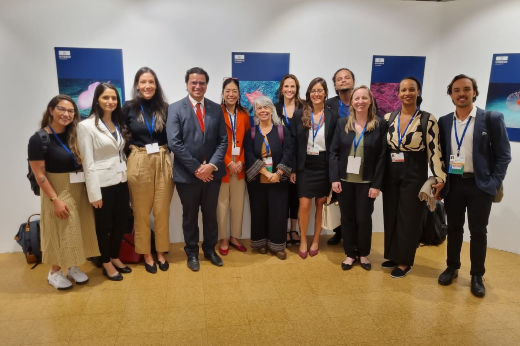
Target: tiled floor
259, 300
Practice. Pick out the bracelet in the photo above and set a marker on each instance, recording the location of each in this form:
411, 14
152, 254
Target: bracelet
53, 198
278, 173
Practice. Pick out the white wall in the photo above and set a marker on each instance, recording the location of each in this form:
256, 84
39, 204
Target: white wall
172, 36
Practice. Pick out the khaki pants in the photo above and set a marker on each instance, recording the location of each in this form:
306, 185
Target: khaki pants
151, 188
231, 198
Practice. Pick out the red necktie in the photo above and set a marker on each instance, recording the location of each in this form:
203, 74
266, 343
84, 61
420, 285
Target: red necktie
200, 117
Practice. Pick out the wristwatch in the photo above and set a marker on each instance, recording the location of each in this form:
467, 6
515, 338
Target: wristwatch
53, 198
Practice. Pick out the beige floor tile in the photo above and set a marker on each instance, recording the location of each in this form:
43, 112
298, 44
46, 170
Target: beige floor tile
141, 339
232, 335
258, 290
191, 337
356, 329
297, 287
26, 308
139, 322
328, 285
226, 314
107, 301
70, 304
184, 317
274, 333
105, 341
97, 326
146, 299
262, 311
305, 309
340, 305
185, 293
254, 273
317, 332
225, 274
143, 280
52, 330
219, 293
504, 337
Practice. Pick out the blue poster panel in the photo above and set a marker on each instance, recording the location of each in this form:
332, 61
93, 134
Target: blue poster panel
259, 74
387, 72
81, 70
504, 91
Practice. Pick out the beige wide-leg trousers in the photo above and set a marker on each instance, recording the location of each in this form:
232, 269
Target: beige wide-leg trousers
231, 199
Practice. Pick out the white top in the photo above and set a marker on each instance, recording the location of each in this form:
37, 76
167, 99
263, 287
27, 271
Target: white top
194, 103
319, 141
466, 149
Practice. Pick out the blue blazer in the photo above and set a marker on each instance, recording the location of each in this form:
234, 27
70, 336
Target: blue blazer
190, 146
489, 162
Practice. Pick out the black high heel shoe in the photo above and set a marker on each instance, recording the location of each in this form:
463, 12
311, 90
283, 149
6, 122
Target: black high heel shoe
124, 270
117, 277
294, 241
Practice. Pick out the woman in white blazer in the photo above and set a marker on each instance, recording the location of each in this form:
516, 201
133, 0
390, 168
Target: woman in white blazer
101, 144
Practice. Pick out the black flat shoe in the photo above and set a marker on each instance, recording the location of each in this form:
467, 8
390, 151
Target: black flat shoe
117, 277
193, 263
214, 259
152, 269
346, 266
366, 266
124, 270
294, 241
164, 266
477, 286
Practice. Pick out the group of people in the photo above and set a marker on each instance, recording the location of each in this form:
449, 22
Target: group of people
296, 150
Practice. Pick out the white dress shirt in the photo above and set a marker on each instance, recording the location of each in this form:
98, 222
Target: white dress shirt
194, 104
466, 149
319, 141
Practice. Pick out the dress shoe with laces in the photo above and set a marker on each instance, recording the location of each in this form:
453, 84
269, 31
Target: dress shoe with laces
117, 277
214, 259
150, 268
477, 286
346, 266
193, 263
335, 239
447, 276
163, 266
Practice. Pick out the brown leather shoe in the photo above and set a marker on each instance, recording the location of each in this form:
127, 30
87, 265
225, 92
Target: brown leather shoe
262, 250
280, 254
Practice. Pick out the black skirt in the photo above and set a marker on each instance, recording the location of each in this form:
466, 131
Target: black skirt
313, 181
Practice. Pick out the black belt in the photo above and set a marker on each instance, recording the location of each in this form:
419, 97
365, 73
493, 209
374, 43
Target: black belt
468, 175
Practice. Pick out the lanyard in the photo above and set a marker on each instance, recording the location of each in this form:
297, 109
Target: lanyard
68, 150
148, 125
315, 133
399, 137
359, 139
285, 114
341, 109
233, 125
119, 133
457, 136
266, 144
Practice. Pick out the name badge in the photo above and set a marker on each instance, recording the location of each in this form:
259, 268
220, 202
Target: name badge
77, 177
235, 151
152, 148
312, 151
268, 164
354, 164
397, 157
120, 167
457, 164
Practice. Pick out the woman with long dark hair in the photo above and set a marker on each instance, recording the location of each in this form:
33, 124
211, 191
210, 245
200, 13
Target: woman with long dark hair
289, 101
149, 167
413, 144
313, 131
102, 147
357, 164
67, 228
233, 187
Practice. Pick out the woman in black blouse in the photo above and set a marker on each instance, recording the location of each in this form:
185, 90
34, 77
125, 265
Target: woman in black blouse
268, 155
289, 102
149, 166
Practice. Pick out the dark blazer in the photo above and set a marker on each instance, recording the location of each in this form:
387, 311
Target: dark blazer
279, 111
301, 136
333, 104
190, 146
280, 153
489, 162
374, 151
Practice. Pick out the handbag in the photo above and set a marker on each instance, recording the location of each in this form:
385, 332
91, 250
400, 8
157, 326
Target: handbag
331, 215
127, 252
28, 236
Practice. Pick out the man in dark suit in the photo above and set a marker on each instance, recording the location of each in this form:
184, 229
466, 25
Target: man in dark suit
476, 149
197, 137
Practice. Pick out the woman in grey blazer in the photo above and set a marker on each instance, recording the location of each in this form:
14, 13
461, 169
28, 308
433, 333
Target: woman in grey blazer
101, 145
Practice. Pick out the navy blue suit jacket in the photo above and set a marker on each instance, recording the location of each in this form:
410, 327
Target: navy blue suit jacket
489, 161
190, 146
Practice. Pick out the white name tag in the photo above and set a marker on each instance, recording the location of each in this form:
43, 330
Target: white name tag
397, 157
120, 167
268, 163
312, 151
235, 151
152, 148
457, 164
354, 164
77, 177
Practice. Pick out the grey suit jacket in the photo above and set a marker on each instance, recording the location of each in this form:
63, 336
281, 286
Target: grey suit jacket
190, 146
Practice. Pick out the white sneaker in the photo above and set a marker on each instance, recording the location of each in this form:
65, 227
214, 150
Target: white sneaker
74, 273
58, 280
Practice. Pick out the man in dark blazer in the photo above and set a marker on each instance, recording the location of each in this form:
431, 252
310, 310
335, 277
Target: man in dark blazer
197, 137
476, 153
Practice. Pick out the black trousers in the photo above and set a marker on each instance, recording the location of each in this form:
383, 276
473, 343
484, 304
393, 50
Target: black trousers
112, 220
356, 218
268, 219
204, 196
402, 209
294, 201
465, 195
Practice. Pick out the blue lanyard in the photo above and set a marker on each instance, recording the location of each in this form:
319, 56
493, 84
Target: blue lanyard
315, 132
285, 114
63, 145
399, 138
233, 125
150, 131
341, 109
119, 133
359, 139
457, 136
266, 144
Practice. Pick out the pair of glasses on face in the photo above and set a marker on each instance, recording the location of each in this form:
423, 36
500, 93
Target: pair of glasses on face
64, 110
317, 91
198, 83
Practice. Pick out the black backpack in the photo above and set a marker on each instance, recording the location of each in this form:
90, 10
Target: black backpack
28, 237
434, 228
44, 136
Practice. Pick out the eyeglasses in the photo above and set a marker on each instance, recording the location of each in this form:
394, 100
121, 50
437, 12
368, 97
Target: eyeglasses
199, 83
65, 110
317, 91
233, 78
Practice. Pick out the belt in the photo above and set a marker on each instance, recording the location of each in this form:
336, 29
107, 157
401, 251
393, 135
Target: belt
468, 175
